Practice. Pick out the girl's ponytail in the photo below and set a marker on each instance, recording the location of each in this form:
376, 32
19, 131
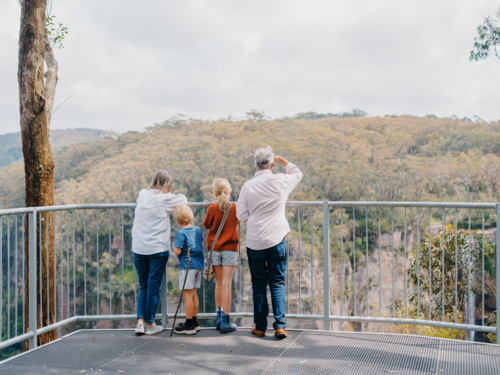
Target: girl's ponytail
222, 190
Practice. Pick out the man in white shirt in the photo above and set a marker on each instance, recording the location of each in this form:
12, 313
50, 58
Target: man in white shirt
262, 206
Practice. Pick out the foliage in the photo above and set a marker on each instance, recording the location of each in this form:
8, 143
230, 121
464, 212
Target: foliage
488, 40
313, 115
462, 249
421, 330
11, 147
56, 31
490, 290
462, 258
491, 320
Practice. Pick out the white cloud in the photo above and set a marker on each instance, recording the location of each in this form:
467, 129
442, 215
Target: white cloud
131, 65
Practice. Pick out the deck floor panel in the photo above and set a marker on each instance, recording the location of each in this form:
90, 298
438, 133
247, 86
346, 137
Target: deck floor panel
209, 352
81, 351
319, 352
461, 357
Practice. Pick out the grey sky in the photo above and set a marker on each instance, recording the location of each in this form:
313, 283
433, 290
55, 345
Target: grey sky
132, 63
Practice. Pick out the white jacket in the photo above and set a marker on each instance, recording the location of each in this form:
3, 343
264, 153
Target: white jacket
151, 230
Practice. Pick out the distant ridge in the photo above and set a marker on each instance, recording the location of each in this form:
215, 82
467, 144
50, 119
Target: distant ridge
11, 147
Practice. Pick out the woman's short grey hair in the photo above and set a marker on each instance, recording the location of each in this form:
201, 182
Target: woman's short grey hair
264, 158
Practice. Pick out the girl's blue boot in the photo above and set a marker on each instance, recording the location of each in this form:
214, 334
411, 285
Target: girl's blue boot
220, 314
227, 326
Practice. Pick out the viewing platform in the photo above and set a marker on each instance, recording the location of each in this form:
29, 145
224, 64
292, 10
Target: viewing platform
209, 352
348, 265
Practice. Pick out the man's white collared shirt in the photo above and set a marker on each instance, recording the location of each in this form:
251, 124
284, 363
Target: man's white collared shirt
261, 205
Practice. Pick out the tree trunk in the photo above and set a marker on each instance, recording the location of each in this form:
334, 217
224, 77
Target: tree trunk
38, 161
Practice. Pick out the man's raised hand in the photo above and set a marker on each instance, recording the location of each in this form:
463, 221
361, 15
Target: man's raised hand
280, 160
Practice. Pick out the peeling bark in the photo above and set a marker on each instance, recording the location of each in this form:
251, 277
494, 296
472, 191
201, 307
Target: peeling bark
50, 79
38, 161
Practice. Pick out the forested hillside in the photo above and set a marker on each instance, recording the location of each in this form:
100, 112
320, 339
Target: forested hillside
343, 158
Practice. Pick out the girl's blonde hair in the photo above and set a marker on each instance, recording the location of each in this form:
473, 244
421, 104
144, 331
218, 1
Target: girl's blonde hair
222, 187
161, 181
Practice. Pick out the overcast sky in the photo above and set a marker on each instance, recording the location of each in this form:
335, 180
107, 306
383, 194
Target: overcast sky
131, 64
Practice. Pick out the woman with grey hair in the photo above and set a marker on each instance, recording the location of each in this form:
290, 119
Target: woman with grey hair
261, 205
151, 246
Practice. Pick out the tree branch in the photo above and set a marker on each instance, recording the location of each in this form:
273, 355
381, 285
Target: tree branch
50, 78
59, 106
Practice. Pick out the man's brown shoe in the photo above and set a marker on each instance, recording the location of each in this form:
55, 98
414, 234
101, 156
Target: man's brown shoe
280, 333
256, 332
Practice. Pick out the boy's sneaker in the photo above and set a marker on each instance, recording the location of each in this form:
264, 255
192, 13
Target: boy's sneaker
153, 330
227, 326
184, 329
139, 330
197, 327
220, 314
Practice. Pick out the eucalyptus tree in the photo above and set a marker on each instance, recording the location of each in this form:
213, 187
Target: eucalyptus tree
37, 77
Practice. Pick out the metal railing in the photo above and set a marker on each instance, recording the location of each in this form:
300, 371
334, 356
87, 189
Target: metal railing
348, 247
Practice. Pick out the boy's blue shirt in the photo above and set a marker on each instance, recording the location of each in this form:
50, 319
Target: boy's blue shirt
193, 238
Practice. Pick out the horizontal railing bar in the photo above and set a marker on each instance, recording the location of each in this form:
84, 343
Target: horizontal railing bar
85, 206
60, 324
13, 211
16, 339
90, 318
304, 204
428, 323
411, 204
199, 204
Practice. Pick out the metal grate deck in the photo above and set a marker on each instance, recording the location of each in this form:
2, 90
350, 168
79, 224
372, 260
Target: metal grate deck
209, 352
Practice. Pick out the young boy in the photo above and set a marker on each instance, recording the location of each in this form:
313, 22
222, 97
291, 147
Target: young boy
189, 236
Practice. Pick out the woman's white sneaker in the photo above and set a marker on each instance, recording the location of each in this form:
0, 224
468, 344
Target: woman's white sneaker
153, 330
139, 330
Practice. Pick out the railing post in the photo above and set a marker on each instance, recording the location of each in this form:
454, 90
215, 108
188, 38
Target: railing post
497, 209
32, 281
326, 265
164, 305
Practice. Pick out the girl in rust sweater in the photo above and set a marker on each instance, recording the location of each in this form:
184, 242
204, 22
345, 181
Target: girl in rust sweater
225, 254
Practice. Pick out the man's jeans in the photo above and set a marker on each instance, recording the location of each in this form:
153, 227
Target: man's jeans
268, 266
150, 269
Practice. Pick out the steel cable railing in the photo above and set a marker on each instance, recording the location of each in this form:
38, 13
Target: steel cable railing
81, 268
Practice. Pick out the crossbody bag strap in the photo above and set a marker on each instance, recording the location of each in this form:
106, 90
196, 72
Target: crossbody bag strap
219, 231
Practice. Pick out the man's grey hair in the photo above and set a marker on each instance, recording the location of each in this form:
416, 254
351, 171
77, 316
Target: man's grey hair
264, 158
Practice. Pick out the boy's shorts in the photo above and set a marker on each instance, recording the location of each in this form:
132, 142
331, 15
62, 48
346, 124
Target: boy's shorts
193, 279
224, 258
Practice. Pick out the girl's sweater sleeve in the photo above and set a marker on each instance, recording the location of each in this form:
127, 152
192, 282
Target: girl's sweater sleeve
209, 218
